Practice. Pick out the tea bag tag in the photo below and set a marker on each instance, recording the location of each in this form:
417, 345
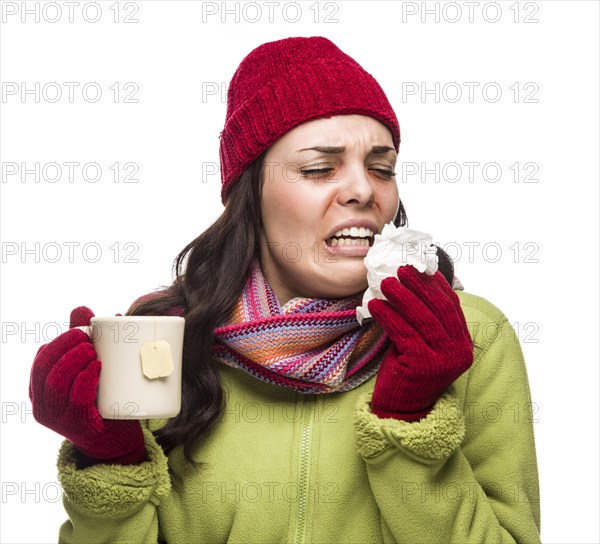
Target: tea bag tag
157, 361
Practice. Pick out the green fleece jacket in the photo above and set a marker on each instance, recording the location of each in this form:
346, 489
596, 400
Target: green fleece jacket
282, 467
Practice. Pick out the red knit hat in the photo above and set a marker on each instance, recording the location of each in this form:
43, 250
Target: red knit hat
283, 83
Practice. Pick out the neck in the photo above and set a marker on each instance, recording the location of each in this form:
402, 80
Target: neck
282, 291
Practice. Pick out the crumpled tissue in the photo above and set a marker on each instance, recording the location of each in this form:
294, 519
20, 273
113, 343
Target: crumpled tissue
394, 247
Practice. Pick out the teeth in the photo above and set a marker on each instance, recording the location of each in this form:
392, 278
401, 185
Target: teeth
349, 242
355, 232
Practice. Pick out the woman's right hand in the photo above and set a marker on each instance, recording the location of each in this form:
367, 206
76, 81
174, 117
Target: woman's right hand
63, 390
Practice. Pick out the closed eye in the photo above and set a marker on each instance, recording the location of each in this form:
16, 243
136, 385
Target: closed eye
388, 174
316, 171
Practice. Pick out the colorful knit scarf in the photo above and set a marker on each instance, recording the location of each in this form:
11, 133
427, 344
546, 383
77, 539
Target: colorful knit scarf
310, 345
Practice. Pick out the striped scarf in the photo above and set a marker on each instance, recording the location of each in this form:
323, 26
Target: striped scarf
310, 345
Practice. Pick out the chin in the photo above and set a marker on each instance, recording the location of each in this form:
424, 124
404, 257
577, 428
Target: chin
349, 278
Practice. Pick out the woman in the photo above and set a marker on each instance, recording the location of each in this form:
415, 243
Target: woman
297, 423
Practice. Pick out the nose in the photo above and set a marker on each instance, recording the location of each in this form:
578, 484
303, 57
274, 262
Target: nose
355, 187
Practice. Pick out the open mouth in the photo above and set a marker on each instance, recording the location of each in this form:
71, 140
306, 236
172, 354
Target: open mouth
353, 236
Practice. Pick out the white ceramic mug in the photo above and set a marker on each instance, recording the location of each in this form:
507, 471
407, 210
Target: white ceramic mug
141, 360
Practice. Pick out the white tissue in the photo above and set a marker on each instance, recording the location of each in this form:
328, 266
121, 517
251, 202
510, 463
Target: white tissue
394, 247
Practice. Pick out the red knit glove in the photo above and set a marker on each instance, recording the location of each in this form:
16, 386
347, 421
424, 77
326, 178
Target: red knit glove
63, 389
431, 346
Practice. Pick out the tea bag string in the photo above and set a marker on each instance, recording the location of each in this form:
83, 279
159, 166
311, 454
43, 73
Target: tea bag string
154, 340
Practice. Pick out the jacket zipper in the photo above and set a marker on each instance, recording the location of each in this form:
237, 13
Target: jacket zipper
304, 472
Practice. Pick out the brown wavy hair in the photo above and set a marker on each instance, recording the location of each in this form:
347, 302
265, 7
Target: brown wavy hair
210, 274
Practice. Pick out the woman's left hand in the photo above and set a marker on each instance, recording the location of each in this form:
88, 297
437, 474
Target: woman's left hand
431, 345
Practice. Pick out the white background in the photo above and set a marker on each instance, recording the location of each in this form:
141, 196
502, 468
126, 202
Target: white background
548, 289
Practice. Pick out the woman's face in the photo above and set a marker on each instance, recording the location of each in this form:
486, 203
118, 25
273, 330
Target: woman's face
326, 190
